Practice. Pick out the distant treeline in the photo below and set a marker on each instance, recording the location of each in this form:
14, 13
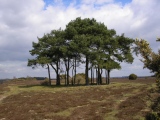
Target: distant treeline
37, 78
137, 76
3, 80
40, 78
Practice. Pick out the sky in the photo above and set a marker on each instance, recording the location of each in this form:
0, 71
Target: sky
22, 21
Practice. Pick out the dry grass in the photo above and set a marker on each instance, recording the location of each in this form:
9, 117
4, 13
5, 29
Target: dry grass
121, 100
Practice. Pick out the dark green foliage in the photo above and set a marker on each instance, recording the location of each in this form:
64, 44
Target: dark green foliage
47, 52
101, 47
132, 77
83, 41
153, 116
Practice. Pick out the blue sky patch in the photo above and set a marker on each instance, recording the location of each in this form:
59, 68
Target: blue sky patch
78, 2
123, 1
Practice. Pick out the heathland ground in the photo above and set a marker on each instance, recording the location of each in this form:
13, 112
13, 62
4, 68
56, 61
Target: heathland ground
123, 99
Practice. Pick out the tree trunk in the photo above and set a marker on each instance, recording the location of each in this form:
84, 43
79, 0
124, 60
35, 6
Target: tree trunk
101, 76
65, 79
91, 76
57, 72
75, 66
108, 76
96, 76
72, 72
67, 68
49, 75
58, 80
86, 72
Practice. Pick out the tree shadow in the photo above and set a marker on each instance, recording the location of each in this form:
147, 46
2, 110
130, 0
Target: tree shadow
28, 86
57, 86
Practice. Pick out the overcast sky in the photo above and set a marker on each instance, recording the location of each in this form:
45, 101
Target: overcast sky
21, 21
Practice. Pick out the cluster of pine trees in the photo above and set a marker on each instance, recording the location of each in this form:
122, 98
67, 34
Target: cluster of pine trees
83, 41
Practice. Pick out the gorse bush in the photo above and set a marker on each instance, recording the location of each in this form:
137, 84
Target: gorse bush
132, 77
152, 116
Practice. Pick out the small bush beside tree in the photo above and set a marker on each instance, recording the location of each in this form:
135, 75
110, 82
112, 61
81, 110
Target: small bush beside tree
45, 82
132, 77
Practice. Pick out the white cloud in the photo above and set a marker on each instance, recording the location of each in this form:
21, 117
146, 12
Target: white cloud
22, 21
10, 69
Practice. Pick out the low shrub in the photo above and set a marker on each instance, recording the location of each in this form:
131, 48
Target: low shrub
80, 78
158, 83
45, 82
152, 116
132, 77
